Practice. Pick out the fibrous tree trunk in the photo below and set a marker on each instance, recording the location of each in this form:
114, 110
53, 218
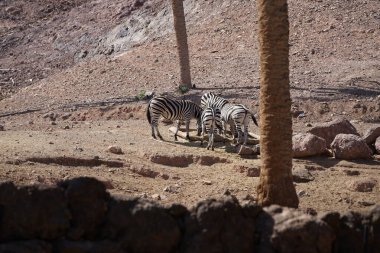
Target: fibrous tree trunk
182, 46
276, 184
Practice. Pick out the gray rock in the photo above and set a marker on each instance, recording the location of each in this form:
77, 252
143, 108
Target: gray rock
305, 145
377, 145
349, 147
371, 135
115, 150
329, 130
295, 232
301, 175
362, 185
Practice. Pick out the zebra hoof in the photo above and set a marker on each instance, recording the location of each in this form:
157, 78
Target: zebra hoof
208, 148
212, 148
160, 137
154, 137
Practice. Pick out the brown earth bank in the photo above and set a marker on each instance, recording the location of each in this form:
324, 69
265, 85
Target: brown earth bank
71, 73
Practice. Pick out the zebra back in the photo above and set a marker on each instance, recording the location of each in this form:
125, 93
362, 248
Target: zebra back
211, 100
173, 109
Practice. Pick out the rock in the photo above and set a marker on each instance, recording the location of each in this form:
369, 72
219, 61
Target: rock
349, 147
377, 145
294, 231
145, 172
206, 182
2, 128
256, 149
30, 246
362, 185
115, 150
301, 175
156, 196
66, 127
66, 246
172, 160
140, 225
302, 193
374, 217
215, 224
172, 188
371, 135
210, 160
366, 203
244, 150
351, 172
87, 200
248, 171
31, 212
329, 130
305, 145
164, 176
66, 116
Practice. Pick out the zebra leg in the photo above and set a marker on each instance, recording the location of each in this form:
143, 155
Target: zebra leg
203, 133
212, 140
187, 130
176, 131
209, 139
245, 135
153, 135
158, 133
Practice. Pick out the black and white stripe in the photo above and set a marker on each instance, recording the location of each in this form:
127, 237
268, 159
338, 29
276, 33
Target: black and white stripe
180, 110
211, 120
234, 115
237, 117
211, 100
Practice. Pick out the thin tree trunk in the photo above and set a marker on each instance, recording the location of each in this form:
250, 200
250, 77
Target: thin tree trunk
182, 47
276, 183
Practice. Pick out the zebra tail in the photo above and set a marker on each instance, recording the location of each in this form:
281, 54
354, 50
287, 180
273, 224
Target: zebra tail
254, 119
148, 114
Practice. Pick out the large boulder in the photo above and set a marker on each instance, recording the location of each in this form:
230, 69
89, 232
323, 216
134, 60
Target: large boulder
308, 144
377, 145
140, 225
87, 201
350, 147
329, 130
220, 226
32, 212
29, 246
371, 135
294, 231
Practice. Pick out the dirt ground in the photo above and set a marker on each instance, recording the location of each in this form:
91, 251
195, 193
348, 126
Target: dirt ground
62, 107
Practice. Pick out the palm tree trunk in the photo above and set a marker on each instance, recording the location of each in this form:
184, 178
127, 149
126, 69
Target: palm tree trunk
276, 183
181, 35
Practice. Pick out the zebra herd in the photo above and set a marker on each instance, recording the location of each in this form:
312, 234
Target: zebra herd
214, 113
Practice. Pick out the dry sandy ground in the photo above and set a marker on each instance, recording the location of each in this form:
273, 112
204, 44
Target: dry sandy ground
90, 139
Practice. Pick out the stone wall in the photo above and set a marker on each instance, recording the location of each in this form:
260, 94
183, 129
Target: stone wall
80, 216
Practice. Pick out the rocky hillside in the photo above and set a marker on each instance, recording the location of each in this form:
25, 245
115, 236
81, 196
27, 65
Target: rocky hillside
91, 50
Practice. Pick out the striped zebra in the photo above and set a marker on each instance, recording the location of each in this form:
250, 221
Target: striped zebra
211, 120
234, 115
180, 110
237, 117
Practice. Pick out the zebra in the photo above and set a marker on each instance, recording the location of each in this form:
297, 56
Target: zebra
180, 110
211, 119
234, 115
212, 100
